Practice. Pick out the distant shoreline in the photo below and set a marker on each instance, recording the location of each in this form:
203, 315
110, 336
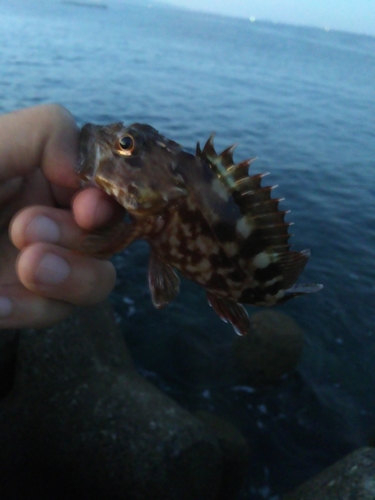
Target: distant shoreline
86, 4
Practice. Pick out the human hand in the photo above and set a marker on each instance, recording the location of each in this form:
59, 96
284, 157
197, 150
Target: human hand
43, 214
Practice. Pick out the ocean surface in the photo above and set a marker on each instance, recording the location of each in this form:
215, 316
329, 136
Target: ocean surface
300, 99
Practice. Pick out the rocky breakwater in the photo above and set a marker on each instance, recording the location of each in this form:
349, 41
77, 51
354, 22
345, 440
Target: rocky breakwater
352, 477
272, 349
76, 420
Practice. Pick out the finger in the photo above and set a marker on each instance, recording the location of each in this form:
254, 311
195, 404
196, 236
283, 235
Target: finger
9, 189
93, 208
56, 225
21, 308
63, 196
43, 136
45, 224
59, 274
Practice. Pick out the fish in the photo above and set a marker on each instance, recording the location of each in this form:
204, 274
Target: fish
203, 215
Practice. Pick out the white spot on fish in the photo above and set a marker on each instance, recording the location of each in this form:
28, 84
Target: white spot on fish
261, 260
192, 245
207, 276
231, 248
273, 281
219, 189
186, 229
175, 253
205, 245
204, 265
243, 227
191, 268
174, 241
233, 284
272, 299
215, 217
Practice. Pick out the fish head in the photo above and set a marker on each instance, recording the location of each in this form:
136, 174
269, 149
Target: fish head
135, 164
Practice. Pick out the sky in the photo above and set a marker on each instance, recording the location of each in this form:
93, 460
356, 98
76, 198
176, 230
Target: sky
356, 16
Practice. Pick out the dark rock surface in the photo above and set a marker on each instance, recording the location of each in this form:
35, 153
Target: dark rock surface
79, 422
272, 348
235, 453
8, 354
352, 478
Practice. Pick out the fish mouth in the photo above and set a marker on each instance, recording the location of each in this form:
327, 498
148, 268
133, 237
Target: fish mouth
122, 195
135, 201
89, 153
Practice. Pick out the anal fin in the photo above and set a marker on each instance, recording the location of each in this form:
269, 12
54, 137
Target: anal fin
229, 310
163, 281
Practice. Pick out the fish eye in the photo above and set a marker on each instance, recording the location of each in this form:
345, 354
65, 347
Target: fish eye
126, 145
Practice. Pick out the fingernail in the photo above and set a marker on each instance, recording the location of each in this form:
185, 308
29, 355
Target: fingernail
42, 228
6, 307
52, 270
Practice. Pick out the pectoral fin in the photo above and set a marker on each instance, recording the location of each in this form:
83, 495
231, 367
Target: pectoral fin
163, 281
103, 243
231, 311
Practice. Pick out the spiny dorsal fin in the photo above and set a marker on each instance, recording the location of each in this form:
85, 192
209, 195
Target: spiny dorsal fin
223, 164
240, 170
262, 228
226, 156
250, 184
254, 201
209, 150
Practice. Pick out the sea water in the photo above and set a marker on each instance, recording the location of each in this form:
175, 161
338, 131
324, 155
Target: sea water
300, 99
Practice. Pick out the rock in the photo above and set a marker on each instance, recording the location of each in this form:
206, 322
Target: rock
8, 355
353, 477
371, 441
271, 349
81, 423
235, 453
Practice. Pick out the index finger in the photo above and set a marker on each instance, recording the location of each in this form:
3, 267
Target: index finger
43, 137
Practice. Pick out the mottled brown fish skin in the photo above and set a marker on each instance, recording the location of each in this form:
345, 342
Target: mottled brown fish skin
202, 215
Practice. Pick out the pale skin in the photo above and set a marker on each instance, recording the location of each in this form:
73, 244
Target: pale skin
44, 214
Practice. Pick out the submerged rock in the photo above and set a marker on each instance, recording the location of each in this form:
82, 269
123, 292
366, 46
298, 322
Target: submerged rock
235, 453
80, 422
271, 349
353, 477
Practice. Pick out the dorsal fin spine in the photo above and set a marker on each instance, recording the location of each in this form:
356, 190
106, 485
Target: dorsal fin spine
238, 169
209, 150
226, 156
